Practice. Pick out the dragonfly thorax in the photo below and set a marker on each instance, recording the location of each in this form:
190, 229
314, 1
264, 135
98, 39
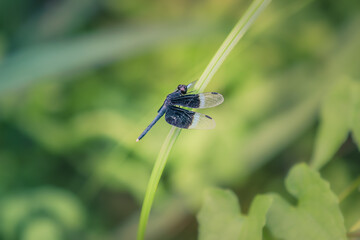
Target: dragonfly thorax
173, 95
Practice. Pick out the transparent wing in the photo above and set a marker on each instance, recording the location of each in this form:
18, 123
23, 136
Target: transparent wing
183, 118
190, 86
202, 121
201, 100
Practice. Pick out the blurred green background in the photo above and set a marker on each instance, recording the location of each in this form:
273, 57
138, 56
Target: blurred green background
81, 79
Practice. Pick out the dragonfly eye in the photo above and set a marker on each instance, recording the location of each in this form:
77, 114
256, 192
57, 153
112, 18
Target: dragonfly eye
182, 88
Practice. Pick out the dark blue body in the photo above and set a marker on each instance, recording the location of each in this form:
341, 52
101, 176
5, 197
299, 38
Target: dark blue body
161, 111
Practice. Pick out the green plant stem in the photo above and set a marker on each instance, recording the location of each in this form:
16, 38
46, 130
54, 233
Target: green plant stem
155, 178
353, 186
233, 38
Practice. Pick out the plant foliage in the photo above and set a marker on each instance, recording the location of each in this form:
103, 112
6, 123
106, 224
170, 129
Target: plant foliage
315, 216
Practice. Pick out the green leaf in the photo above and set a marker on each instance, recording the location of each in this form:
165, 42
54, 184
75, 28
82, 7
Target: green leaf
315, 217
21, 211
340, 114
220, 217
59, 58
252, 228
42, 228
356, 112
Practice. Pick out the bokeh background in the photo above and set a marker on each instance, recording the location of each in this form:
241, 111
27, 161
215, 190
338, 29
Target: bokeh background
81, 79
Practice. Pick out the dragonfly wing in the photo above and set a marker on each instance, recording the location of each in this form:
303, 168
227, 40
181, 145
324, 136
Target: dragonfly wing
201, 100
183, 118
190, 86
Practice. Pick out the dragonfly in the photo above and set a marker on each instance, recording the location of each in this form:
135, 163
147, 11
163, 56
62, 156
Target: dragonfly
182, 118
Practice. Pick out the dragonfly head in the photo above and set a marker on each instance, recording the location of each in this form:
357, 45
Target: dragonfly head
182, 88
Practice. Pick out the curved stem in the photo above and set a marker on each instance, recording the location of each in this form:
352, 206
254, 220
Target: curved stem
232, 39
353, 186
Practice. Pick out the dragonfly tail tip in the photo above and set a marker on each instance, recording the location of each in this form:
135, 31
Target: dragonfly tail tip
137, 140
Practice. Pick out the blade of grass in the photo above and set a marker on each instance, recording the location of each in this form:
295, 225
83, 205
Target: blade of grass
41, 62
155, 178
232, 39
350, 189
